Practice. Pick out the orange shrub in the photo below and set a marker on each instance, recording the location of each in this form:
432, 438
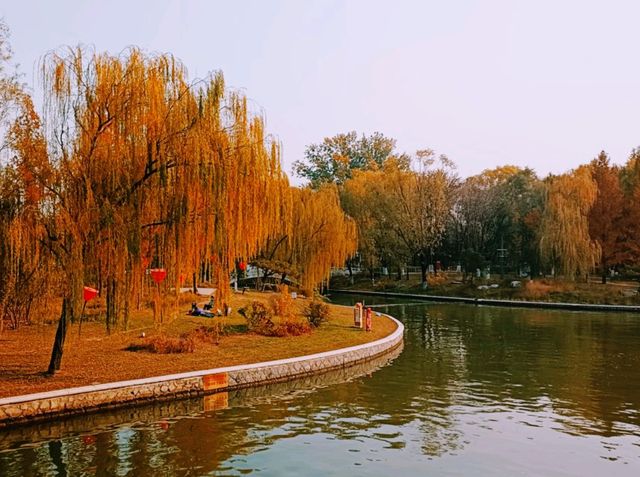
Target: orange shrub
164, 345
204, 334
317, 313
542, 288
436, 280
258, 317
290, 327
282, 304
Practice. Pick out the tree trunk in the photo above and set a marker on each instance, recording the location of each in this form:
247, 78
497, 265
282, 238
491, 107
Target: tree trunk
604, 272
127, 298
423, 271
423, 275
55, 454
399, 272
112, 304
61, 334
195, 284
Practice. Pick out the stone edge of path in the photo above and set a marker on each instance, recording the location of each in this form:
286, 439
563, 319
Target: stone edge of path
51, 404
491, 302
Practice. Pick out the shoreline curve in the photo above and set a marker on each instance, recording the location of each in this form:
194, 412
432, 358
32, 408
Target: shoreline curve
494, 302
28, 408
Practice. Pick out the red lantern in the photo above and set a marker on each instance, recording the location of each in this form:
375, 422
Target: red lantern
158, 274
242, 266
89, 293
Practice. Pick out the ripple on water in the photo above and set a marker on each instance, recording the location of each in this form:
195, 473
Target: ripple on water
476, 391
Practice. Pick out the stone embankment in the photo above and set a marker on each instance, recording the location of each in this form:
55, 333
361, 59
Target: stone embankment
46, 405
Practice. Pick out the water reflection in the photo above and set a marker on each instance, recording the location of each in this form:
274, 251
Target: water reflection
476, 390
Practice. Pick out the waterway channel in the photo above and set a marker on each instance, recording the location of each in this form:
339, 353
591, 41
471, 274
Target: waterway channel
475, 391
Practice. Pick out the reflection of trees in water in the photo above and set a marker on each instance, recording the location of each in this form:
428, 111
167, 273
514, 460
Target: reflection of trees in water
170, 438
584, 363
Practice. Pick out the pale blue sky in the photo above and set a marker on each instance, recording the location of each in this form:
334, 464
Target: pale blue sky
541, 83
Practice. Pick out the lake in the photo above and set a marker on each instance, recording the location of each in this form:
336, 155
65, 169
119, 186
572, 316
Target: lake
475, 391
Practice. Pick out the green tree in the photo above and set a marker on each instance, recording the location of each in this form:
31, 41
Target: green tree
335, 158
494, 210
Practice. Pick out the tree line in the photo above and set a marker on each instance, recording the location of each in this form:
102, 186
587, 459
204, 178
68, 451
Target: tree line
416, 210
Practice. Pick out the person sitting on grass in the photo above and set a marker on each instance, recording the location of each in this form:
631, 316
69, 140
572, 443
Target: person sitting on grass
197, 311
209, 306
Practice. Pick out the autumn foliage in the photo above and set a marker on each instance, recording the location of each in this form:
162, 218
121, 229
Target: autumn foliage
134, 166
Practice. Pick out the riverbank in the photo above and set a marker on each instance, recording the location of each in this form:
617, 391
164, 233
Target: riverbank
491, 302
95, 357
538, 290
164, 411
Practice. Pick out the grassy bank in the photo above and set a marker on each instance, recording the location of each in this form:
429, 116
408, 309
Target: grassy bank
547, 290
97, 357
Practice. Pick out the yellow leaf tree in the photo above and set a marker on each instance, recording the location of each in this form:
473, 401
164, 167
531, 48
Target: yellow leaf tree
564, 229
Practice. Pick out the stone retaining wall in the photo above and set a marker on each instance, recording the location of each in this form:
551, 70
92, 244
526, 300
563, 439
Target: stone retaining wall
171, 409
40, 406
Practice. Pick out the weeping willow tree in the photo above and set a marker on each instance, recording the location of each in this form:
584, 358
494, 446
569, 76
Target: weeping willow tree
134, 167
316, 236
564, 227
23, 262
365, 199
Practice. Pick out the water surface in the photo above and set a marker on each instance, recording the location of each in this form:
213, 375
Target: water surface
475, 391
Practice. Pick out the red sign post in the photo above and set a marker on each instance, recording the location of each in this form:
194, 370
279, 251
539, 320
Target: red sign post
158, 275
368, 319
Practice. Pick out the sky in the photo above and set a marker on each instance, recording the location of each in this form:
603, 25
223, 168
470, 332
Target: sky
544, 84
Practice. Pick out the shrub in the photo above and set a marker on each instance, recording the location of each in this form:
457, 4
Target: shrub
282, 304
437, 280
258, 317
204, 334
290, 327
260, 320
164, 345
317, 313
543, 288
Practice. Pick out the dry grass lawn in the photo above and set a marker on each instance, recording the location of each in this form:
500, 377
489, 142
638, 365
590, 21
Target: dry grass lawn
96, 357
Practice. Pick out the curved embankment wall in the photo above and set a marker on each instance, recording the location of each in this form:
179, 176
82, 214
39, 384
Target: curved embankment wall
217, 382
169, 409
